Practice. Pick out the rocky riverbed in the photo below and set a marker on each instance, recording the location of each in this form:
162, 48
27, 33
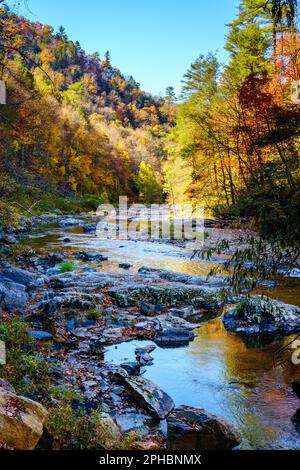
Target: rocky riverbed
144, 342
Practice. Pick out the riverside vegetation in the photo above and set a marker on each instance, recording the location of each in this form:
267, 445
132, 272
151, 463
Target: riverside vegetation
75, 132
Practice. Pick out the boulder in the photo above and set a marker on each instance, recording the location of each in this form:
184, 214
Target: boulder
81, 282
143, 355
171, 321
89, 256
173, 337
16, 275
132, 368
261, 315
68, 300
113, 333
171, 294
146, 394
21, 421
173, 276
88, 228
147, 349
12, 295
81, 333
70, 222
148, 309
125, 265
53, 258
194, 429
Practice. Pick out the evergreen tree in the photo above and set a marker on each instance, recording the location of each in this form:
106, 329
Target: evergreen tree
202, 76
249, 41
283, 10
170, 94
61, 33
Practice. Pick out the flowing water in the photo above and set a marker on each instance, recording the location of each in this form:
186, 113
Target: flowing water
217, 371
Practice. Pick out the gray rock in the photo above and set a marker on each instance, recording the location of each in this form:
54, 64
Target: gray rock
146, 394
12, 295
115, 399
84, 281
87, 228
132, 368
129, 422
147, 349
125, 265
54, 258
145, 359
70, 222
70, 299
143, 355
174, 337
172, 321
81, 333
184, 312
133, 295
52, 271
112, 333
189, 279
118, 390
89, 256
90, 383
194, 429
96, 347
19, 276
262, 315
148, 309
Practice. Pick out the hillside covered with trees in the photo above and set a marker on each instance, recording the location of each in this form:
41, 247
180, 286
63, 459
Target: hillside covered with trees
73, 124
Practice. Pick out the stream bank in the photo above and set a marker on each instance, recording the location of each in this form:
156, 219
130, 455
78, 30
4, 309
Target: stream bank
204, 366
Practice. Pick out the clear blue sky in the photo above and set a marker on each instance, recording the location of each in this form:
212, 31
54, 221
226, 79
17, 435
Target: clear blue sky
155, 41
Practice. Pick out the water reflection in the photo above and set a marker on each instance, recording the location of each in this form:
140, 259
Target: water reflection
142, 253
218, 372
137, 253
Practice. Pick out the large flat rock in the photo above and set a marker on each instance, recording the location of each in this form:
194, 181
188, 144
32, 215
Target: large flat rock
146, 394
195, 429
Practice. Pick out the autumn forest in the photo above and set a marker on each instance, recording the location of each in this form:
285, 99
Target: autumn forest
114, 339
75, 126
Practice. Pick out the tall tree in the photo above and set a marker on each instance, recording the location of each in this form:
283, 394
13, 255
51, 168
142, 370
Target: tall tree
202, 76
283, 10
